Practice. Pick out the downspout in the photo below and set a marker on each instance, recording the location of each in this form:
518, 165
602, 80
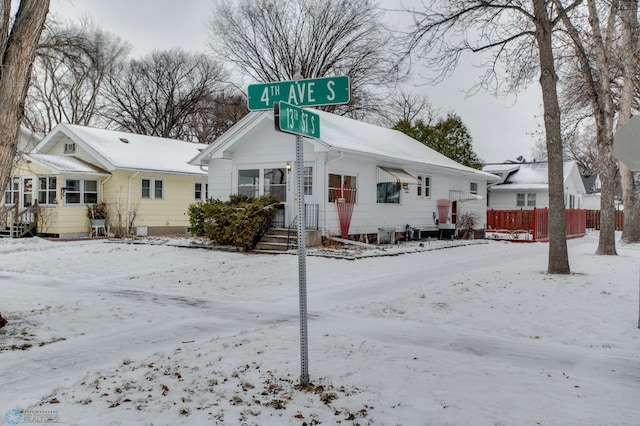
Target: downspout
326, 185
129, 202
102, 185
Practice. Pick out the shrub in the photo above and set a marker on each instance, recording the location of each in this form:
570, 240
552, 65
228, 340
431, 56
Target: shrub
239, 222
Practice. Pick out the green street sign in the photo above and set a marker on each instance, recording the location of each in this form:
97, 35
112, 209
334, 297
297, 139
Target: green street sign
292, 119
308, 92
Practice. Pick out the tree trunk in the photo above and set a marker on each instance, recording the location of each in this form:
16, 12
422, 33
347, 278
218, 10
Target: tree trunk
631, 202
629, 17
17, 51
603, 112
558, 255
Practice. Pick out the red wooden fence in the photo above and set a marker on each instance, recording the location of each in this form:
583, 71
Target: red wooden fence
593, 219
536, 222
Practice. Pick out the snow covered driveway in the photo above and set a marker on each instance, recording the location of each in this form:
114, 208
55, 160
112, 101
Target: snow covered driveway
115, 333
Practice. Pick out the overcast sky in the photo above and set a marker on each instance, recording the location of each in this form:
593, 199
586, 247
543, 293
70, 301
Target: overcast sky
501, 128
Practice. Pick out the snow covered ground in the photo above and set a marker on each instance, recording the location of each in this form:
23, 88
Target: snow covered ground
111, 333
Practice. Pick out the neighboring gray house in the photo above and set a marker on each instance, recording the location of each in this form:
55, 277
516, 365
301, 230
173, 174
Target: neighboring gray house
526, 185
392, 179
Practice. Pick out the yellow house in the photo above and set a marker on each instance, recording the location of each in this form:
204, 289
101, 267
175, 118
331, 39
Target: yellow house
145, 182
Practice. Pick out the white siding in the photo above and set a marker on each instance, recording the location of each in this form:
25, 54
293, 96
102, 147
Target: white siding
507, 200
220, 171
418, 212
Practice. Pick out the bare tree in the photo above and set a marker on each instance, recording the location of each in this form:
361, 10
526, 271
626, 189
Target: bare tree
67, 80
630, 85
516, 37
217, 115
18, 41
272, 40
407, 106
592, 40
160, 94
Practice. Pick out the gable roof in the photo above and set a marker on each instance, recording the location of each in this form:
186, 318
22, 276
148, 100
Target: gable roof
343, 134
591, 183
117, 150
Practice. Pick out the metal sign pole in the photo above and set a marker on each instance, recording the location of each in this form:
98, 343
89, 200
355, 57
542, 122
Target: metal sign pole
302, 263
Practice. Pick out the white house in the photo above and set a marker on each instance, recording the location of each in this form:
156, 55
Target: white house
526, 185
392, 179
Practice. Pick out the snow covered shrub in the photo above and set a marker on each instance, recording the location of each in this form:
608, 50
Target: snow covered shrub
239, 222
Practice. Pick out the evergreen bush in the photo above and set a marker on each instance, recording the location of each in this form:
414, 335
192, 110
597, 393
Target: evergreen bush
239, 222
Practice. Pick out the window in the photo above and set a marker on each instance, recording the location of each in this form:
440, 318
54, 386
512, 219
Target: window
146, 188
201, 191
531, 200
308, 180
12, 194
152, 188
388, 193
90, 191
342, 186
473, 187
520, 200
47, 189
158, 189
275, 183
249, 182
77, 191
424, 186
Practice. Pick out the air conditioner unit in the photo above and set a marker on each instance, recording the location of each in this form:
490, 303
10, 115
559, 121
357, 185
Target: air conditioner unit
386, 235
69, 147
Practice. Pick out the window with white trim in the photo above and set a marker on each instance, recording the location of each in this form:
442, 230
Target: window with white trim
80, 191
424, 186
388, 193
201, 191
249, 182
308, 180
47, 190
12, 193
473, 187
152, 188
520, 198
342, 186
531, 200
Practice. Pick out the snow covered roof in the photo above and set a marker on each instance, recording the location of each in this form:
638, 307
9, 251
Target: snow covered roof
64, 164
525, 175
27, 139
344, 134
117, 150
